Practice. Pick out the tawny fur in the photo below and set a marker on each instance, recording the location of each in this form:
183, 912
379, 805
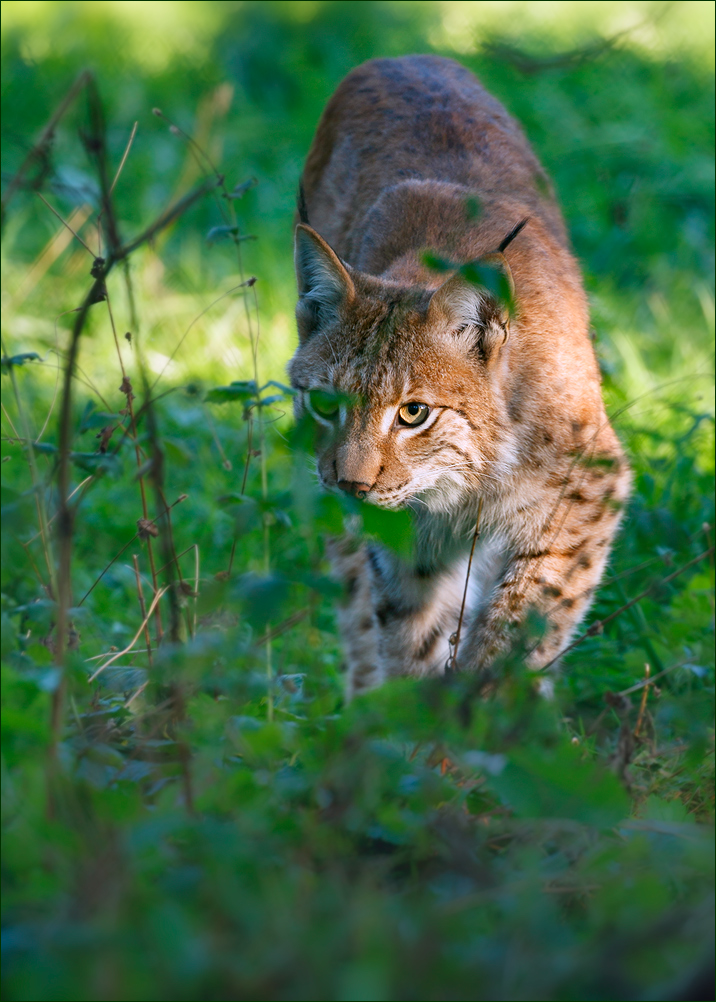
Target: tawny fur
411, 155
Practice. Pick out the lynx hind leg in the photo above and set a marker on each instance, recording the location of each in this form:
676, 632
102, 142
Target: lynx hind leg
356, 616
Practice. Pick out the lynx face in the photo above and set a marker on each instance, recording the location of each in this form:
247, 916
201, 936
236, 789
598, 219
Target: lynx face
404, 384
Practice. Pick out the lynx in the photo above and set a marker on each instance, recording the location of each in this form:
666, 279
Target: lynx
430, 394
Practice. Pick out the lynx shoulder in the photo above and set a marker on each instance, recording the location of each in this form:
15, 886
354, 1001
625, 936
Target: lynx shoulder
432, 392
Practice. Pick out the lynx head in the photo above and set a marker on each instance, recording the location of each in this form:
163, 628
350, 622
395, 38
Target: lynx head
403, 382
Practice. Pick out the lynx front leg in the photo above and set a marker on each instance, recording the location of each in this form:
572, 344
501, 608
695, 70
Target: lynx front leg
558, 583
356, 617
416, 613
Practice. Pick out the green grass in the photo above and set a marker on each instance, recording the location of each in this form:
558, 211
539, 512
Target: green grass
233, 830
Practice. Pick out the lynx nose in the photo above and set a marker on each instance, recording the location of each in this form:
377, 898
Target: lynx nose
358, 490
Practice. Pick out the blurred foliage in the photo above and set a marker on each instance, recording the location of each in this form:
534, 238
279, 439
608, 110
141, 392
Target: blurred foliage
220, 824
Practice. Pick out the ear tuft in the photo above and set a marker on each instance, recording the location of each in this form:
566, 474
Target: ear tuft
324, 283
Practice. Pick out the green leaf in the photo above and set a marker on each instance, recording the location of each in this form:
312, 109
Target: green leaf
656, 809
97, 419
436, 263
244, 509
240, 190
273, 399
329, 515
97, 462
177, 451
394, 529
558, 784
221, 233
472, 207
263, 597
244, 390
491, 278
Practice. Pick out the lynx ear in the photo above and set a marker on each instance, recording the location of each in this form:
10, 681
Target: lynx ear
472, 314
324, 284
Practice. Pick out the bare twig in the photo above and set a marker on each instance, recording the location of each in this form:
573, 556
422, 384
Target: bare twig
650, 679
65, 224
129, 646
134, 695
455, 638
124, 157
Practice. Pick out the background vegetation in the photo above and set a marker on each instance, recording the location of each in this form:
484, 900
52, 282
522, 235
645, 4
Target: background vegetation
206, 818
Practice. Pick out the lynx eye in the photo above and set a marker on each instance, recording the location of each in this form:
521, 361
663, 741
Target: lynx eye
324, 404
413, 414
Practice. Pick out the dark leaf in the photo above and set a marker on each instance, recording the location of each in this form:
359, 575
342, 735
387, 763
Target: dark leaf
240, 190
245, 390
22, 359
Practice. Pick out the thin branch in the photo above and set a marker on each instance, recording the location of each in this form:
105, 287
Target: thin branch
164, 220
65, 223
124, 157
129, 647
116, 557
452, 660
650, 679
195, 320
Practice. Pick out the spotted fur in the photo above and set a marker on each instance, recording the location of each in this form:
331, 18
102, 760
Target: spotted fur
412, 154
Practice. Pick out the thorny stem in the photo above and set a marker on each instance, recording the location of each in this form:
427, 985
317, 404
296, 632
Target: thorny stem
65, 521
126, 389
